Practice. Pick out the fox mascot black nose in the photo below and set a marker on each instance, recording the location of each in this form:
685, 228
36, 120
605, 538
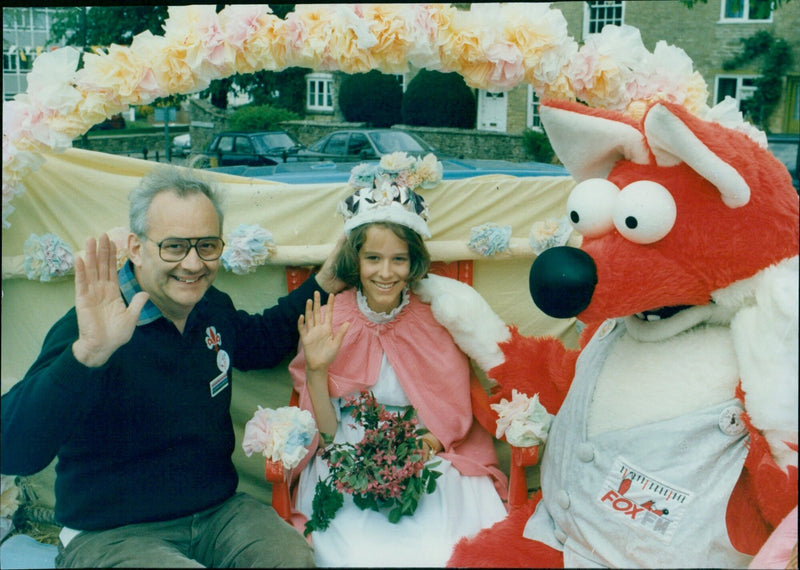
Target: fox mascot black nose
562, 280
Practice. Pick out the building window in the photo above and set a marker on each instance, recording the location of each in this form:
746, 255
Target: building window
10, 60
533, 119
600, 13
319, 92
740, 87
746, 11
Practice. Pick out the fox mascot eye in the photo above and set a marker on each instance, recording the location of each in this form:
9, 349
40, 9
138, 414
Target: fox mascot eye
590, 206
644, 212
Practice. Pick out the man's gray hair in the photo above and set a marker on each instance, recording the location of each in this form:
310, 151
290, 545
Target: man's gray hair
168, 179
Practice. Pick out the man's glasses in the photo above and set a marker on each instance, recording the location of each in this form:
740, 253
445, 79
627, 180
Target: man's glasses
175, 249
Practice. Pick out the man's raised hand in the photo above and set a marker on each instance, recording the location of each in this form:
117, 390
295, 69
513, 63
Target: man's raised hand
104, 321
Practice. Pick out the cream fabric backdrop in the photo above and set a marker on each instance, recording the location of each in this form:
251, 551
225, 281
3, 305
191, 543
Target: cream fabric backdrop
80, 193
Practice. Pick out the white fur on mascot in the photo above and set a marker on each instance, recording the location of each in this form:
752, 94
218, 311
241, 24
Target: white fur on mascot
674, 441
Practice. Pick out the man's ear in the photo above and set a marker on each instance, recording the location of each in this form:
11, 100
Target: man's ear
135, 246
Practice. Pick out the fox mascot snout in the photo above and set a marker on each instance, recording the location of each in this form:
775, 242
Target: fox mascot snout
674, 441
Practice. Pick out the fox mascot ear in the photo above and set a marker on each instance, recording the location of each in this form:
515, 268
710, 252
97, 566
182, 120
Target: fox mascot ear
675, 139
589, 143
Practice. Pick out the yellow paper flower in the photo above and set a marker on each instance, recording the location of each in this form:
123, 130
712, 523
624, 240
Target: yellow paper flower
391, 26
120, 70
266, 48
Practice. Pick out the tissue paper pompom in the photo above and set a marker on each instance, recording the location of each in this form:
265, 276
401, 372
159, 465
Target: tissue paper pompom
549, 233
248, 246
489, 239
47, 257
283, 434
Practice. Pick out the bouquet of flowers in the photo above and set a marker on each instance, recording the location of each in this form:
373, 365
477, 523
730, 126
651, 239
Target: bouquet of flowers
280, 435
385, 471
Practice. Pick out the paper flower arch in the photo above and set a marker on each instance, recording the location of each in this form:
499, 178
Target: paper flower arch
493, 46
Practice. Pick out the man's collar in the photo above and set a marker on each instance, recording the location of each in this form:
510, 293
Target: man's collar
129, 287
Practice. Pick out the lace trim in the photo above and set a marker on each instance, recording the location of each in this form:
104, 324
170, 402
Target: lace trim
381, 318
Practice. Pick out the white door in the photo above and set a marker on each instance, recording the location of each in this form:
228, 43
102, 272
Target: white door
492, 111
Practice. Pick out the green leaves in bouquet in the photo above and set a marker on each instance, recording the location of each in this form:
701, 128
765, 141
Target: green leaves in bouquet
326, 503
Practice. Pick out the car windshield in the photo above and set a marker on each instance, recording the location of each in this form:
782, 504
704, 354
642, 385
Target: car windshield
392, 142
273, 141
786, 151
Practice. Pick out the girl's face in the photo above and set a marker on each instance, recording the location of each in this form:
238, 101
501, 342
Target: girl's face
384, 266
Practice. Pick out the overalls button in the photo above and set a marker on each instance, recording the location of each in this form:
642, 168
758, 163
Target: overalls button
730, 421
585, 452
563, 499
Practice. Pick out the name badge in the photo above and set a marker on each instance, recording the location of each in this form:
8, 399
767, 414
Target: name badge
218, 384
223, 361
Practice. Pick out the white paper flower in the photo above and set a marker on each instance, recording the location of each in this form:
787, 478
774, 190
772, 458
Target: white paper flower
523, 420
283, 434
549, 233
363, 175
396, 161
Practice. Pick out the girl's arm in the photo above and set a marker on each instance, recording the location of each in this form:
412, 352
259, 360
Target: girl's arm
321, 346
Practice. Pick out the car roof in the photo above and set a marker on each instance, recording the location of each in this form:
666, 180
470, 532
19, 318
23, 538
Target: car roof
250, 133
325, 172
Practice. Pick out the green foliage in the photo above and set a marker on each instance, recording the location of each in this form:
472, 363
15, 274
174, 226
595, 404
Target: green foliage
106, 25
285, 89
435, 99
259, 118
537, 146
776, 59
372, 98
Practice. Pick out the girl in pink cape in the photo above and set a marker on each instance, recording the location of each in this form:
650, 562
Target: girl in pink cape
379, 336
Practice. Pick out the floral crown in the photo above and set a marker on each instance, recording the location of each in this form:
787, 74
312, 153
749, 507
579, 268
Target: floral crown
385, 192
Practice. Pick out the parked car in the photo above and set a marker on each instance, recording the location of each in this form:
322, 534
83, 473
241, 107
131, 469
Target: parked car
182, 145
786, 147
248, 149
365, 144
113, 123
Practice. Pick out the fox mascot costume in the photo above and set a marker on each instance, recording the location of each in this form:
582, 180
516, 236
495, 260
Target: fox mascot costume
674, 441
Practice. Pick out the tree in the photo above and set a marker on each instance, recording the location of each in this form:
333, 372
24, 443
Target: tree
776, 59
435, 99
87, 26
373, 98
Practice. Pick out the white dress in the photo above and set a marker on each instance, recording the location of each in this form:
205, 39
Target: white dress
460, 506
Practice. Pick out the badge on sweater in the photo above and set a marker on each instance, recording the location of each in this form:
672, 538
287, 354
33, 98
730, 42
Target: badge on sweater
214, 342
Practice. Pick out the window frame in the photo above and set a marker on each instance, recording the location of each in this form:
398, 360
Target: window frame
745, 17
532, 115
313, 92
743, 92
587, 15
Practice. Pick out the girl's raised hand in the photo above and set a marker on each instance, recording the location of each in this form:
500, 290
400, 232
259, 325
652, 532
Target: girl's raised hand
320, 343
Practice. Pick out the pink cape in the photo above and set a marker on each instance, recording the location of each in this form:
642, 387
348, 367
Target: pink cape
432, 370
